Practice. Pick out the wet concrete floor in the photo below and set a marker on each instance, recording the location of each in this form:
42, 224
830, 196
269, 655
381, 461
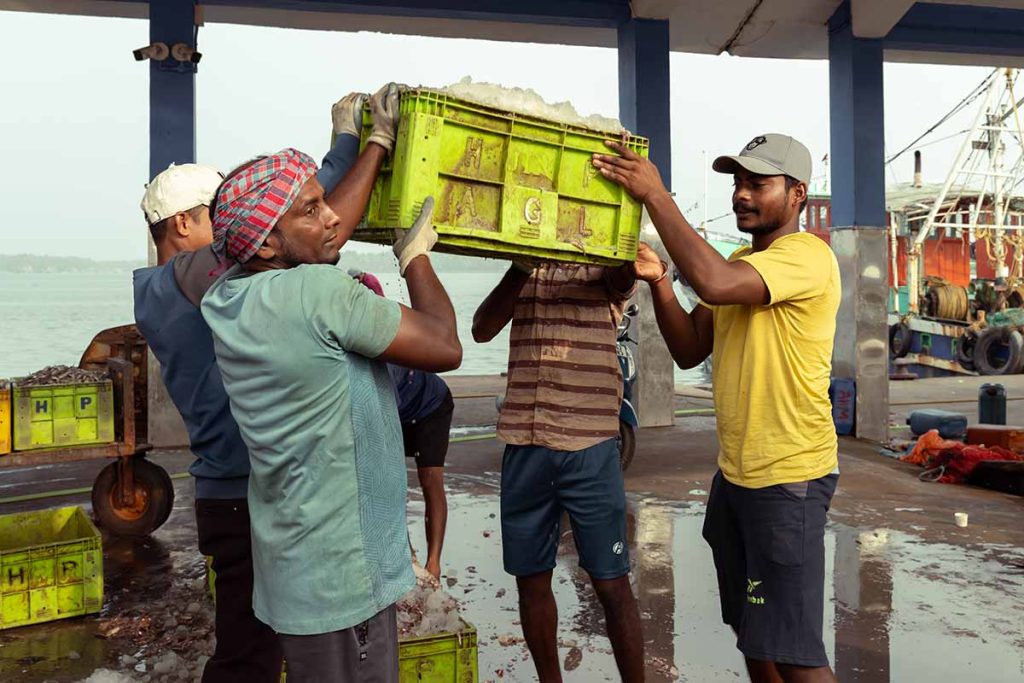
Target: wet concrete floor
910, 597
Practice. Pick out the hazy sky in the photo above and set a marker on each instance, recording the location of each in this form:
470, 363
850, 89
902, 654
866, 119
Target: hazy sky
74, 111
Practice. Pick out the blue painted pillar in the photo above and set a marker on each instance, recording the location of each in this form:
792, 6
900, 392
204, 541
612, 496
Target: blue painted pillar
172, 89
172, 138
644, 88
859, 238
857, 116
644, 109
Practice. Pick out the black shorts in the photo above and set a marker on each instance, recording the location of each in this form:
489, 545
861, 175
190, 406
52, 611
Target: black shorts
769, 550
426, 440
538, 484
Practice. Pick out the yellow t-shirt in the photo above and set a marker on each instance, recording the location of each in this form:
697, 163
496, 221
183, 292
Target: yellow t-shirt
771, 368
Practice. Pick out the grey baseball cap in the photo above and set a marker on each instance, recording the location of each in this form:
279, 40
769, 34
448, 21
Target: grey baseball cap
770, 154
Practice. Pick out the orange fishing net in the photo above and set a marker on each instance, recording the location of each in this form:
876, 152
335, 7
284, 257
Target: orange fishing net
953, 460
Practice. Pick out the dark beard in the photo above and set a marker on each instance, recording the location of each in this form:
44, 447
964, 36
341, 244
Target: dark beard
289, 255
758, 229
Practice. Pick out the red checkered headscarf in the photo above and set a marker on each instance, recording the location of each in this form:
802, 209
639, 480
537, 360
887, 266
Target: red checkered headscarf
250, 202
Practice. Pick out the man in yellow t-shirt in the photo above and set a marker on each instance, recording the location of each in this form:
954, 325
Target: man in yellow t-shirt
768, 319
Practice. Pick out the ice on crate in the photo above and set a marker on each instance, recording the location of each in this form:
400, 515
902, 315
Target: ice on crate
529, 102
427, 609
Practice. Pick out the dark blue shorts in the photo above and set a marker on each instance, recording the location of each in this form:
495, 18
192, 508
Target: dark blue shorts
769, 550
537, 484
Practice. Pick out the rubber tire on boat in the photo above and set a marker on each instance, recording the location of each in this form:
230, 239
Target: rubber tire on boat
989, 338
900, 339
154, 493
965, 349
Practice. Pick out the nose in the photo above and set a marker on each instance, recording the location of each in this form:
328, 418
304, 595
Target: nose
741, 193
331, 220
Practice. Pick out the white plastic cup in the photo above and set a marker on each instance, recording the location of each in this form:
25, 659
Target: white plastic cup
960, 518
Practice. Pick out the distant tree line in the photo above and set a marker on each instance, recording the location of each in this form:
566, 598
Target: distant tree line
378, 262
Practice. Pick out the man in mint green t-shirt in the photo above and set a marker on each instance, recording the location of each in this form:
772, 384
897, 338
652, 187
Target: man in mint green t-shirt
300, 346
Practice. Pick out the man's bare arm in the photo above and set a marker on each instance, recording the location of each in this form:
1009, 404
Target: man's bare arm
496, 310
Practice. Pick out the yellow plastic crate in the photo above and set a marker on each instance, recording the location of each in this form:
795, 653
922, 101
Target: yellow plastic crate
504, 184
444, 658
63, 415
5, 418
51, 566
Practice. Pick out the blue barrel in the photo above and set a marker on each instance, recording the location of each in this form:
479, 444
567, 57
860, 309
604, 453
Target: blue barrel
843, 394
950, 425
992, 404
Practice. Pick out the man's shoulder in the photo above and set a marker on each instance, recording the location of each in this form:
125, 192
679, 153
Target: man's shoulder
740, 252
316, 274
195, 272
145, 275
805, 240
149, 284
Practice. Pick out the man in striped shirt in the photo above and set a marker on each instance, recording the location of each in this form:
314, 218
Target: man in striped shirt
560, 421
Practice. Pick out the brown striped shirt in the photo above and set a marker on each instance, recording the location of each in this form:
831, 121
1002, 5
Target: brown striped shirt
564, 383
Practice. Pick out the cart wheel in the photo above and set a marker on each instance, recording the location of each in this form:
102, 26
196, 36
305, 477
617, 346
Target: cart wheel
153, 499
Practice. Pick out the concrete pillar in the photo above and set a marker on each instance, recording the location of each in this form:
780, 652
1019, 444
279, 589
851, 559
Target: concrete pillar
172, 138
644, 109
859, 218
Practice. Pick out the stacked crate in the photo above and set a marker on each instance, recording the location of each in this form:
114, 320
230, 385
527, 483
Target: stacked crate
55, 415
62, 415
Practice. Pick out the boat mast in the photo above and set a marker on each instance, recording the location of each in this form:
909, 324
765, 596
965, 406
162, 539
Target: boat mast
955, 171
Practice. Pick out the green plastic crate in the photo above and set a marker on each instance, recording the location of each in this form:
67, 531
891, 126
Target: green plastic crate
51, 566
62, 415
444, 658
504, 185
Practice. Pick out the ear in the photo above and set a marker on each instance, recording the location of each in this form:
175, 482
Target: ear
269, 248
181, 227
266, 252
800, 193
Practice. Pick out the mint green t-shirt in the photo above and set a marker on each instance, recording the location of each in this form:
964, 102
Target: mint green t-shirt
328, 485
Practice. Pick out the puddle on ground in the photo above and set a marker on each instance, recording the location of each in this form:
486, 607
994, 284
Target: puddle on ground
136, 572
893, 600
899, 608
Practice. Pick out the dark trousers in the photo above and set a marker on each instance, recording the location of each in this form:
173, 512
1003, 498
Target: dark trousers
364, 653
248, 650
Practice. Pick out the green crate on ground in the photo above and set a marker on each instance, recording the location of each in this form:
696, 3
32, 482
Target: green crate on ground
504, 184
51, 566
444, 658
60, 415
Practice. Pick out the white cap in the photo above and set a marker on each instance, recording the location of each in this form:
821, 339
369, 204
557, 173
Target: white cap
178, 189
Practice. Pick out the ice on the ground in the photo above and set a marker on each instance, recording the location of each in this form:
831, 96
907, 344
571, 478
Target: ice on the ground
529, 102
106, 676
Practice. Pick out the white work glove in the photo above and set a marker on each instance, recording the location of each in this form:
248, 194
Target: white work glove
347, 114
384, 110
417, 240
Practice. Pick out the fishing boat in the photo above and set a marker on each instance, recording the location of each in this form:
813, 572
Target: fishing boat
956, 249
